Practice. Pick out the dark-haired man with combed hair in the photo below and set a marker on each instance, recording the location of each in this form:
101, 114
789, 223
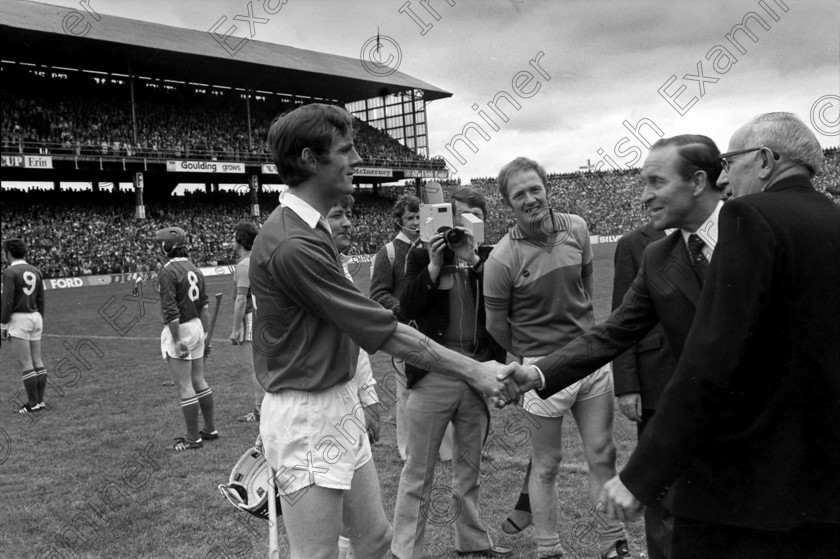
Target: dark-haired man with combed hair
310, 321
22, 322
241, 333
746, 431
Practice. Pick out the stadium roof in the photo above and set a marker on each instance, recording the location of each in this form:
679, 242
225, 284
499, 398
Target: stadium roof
33, 32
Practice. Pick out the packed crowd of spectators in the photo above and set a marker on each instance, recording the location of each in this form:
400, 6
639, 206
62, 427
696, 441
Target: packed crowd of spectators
82, 233
92, 116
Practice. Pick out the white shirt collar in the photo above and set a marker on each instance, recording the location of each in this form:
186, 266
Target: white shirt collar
401, 236
178, 259
307, 213
21, 261
708, 232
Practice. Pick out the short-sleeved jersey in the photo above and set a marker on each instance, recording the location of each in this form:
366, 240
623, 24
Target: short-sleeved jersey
182, 294
539, 286
23, 290
241, 282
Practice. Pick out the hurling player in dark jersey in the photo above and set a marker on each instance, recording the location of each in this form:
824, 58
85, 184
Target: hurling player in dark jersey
183, 342
21, 322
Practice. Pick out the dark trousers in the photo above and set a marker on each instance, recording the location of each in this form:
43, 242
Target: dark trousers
695, 539
659, 523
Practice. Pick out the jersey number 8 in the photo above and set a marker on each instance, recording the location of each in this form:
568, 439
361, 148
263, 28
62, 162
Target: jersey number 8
193, 292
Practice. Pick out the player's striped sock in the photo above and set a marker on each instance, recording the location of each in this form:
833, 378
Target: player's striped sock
42, 383
549, 547
205, 400
30, 384
190, 408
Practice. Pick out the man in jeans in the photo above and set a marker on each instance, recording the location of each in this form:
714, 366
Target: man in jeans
443, 294
386, 285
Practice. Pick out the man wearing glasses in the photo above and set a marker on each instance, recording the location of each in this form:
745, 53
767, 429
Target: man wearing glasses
746, 432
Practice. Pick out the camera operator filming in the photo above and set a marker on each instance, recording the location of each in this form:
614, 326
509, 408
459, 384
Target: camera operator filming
443, 293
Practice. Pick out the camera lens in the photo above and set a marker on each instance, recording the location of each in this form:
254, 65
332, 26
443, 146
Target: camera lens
454, 237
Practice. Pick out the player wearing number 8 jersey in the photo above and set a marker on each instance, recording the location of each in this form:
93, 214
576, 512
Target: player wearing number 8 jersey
21, 322
183, 342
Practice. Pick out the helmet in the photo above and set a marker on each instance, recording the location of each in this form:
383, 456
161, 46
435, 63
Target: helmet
174, 235
247, 488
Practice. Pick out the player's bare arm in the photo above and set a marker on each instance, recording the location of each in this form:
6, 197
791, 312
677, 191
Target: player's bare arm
239, 304
419, 350
499, 328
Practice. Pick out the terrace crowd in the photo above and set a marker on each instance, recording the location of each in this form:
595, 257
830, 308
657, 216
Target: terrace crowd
79, 233
43, 114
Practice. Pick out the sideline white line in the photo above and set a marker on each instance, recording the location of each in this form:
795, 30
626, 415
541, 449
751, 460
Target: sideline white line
130, 338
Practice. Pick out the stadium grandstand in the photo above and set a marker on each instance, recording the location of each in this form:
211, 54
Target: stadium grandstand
154, 105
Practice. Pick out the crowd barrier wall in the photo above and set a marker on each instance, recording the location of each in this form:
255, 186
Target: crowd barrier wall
210, 271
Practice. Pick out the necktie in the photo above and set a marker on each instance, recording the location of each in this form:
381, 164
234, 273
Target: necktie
698, 260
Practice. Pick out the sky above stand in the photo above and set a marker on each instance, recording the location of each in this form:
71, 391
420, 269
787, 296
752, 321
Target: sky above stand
605, 66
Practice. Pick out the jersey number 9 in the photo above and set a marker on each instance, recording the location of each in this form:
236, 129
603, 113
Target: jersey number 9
30, 280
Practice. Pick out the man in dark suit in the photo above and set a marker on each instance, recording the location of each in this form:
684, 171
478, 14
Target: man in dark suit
746, 431
641, 373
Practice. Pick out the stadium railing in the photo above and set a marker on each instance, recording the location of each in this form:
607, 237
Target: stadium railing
128, 152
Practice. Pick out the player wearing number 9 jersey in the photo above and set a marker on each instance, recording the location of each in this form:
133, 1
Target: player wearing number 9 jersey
183, 342
21, 322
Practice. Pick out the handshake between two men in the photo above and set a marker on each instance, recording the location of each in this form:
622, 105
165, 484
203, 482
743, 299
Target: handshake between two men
516, 380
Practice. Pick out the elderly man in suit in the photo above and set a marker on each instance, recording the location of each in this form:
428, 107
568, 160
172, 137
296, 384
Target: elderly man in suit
746, 431
641, 373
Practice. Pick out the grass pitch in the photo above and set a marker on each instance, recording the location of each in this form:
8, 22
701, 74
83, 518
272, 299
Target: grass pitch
96, 476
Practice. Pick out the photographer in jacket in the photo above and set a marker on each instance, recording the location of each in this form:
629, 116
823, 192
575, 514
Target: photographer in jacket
443, 294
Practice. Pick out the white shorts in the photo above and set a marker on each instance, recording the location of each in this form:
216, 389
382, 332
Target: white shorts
26, 326
315, 438
597, 384
192, 333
